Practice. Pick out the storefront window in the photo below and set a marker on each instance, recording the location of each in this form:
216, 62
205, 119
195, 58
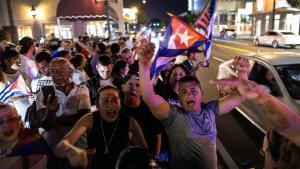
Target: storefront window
289, 22
66, 31
24, 31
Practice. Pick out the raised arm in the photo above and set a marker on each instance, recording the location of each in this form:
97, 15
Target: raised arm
87, 48
158, 106
229, 102
281, 117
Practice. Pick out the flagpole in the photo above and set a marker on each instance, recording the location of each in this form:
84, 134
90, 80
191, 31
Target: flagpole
221, 48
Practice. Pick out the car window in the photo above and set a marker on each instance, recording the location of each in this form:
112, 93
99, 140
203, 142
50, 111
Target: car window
288, 33
265, 77
290, 75
272, 33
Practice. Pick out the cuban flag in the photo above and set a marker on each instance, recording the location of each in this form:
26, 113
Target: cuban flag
205, 23
178, 37
17, 87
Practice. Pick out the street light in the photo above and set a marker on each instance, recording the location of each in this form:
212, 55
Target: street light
144, 1
33, 11
136, 11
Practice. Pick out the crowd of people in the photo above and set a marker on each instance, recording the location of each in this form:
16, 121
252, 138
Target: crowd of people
92, 104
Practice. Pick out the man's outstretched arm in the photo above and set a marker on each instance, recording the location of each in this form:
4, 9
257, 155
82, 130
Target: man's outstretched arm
281, 117
229, 102
158, 106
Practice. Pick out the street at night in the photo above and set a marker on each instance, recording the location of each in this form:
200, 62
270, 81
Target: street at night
150, 84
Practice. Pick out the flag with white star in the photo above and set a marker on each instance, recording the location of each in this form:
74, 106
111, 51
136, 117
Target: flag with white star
178, 37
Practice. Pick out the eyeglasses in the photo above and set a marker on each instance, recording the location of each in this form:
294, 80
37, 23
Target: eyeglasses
10, 120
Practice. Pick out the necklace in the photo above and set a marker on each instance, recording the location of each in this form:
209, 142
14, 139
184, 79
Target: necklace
111, 137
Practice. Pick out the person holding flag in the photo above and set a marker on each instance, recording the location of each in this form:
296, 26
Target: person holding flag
178, 38
191, 128
14, 84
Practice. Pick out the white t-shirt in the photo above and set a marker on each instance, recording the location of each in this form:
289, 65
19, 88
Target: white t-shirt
68, 105
28, 67
106, 82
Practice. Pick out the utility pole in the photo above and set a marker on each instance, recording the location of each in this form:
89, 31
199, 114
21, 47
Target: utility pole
107, 18
13, 28
273, 15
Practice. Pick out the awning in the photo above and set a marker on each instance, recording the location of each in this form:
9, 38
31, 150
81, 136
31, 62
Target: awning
84, 9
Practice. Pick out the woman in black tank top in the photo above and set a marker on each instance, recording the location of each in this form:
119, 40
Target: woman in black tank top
116, 138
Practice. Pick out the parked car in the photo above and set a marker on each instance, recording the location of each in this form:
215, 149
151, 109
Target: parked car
228, 33
283, 68
278, 38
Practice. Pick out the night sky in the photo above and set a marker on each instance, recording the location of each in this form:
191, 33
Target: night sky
159, 8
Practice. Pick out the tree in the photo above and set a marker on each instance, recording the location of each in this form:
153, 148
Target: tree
294, 3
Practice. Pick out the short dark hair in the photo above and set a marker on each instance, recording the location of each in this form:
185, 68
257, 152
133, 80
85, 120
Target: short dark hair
78, 60
8, 54
105, 60
25, 44
115, 48
43, 56
134, 157
190, 78
119, 64
102, 47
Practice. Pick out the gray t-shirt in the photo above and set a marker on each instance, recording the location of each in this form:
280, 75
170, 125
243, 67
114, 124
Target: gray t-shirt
192, 137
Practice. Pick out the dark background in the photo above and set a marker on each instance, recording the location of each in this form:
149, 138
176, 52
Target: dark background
158, 8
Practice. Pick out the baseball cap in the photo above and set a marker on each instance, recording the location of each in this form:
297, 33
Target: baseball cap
134, 76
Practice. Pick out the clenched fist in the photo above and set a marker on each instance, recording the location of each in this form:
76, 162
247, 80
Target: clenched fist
146, 52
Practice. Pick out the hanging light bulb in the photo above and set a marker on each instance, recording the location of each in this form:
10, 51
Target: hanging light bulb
33, 11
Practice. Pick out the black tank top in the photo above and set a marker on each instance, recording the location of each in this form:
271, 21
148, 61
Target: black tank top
119, 141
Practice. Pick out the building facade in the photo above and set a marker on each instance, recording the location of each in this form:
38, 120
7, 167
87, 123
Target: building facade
285, 17
67, 19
